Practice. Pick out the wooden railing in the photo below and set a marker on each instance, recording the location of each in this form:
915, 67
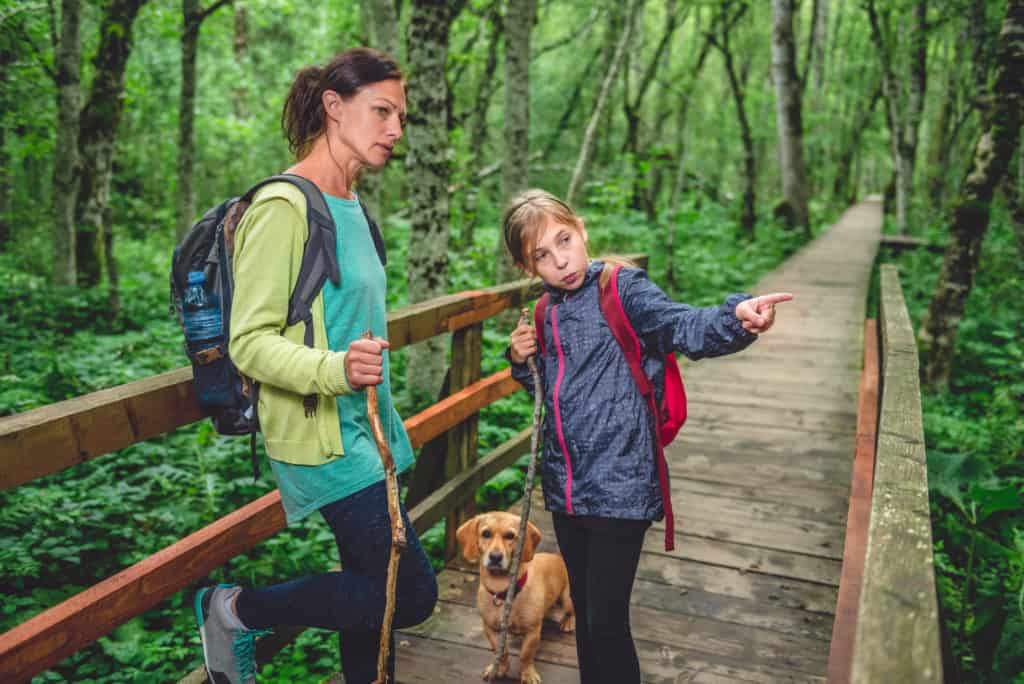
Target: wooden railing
58, 436
897, 632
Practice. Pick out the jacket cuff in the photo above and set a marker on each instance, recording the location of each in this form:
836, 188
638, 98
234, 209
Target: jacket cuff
335, 381
733, 324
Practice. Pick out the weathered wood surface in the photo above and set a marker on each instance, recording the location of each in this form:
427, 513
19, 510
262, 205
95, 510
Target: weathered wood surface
897, 624
760, 481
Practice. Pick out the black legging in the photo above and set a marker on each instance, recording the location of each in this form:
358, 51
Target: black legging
601, 555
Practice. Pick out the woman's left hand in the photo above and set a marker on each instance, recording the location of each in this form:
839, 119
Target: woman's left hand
758, 314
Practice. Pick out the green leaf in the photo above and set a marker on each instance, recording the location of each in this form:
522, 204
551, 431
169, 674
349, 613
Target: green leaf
994, 500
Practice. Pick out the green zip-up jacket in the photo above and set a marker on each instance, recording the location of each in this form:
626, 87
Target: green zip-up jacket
268, 246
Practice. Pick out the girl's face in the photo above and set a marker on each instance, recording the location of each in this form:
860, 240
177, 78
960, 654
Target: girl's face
370, 122
559, 256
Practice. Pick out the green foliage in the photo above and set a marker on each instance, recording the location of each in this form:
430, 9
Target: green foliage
974, 436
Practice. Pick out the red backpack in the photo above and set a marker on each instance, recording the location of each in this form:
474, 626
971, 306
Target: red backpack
671, 414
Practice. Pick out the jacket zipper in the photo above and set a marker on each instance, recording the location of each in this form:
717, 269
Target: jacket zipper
558, 411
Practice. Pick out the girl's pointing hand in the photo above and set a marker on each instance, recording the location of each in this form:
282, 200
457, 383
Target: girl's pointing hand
758, 314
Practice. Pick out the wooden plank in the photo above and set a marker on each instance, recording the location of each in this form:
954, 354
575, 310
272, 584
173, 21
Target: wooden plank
54, 634
845, 626
61, 435
741, 645
449, 412
461, 452
897, 635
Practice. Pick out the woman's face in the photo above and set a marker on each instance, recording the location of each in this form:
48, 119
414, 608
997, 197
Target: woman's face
559, 256
370, 122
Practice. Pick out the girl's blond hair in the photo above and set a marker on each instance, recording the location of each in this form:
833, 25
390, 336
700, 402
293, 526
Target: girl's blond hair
524, 219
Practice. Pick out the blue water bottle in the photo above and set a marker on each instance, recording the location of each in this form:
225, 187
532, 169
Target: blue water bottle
203, 326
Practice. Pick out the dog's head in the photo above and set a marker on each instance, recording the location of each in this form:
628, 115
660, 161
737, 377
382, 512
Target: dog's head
491, 539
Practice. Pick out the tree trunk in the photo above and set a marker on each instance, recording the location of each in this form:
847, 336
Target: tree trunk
186, 116
992, 156
820, 33
915, 106
890, 93
7, 56
478, 125
721, 41
938, 158
65, 150
583, 162
427, 163
97, 133
789, 118
632, 107
841, 187
383, 21
515, 167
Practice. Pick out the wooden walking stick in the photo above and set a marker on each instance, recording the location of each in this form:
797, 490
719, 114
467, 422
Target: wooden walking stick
531, 470
398, 541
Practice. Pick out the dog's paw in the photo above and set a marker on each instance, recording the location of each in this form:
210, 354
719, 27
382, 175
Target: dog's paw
529, 676
568, 623
491, 676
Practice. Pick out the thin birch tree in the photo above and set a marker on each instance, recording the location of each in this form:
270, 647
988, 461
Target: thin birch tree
579, 174
68, 49
788, 113
193, 16
383, 22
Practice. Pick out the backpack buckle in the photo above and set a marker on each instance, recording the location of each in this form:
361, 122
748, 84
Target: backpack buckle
208, 356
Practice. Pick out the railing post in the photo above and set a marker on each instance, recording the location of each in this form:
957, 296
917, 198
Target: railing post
462, 439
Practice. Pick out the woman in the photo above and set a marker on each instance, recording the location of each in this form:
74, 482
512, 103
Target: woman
338, 120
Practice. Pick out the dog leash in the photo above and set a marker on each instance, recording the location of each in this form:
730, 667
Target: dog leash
501, 653
398, 541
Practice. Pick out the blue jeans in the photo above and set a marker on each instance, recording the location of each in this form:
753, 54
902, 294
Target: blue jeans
352, 601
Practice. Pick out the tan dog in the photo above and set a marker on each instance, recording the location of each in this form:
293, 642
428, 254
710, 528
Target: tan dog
491, 539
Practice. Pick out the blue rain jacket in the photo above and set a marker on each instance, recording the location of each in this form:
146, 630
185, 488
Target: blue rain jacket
599, 453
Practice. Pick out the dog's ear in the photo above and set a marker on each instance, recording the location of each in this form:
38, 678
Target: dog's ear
466, 536
533, 537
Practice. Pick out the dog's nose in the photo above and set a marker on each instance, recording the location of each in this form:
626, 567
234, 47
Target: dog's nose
494, 558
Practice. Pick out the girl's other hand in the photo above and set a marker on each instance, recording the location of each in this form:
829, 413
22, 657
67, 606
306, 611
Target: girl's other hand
522, 343
758, 314
364, 362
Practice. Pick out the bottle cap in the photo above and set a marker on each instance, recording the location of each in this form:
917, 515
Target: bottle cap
196, 277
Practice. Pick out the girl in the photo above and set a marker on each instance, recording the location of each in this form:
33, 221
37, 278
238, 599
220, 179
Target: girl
599, 469
338, 119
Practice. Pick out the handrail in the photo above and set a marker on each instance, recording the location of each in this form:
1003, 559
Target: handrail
897, 637
54, 437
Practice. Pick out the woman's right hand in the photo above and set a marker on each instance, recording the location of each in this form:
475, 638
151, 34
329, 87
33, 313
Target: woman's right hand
364, 362
522, 343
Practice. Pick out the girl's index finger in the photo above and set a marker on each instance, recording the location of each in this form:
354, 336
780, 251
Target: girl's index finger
774, 298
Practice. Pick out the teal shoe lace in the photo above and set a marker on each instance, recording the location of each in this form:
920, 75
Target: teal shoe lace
244, 647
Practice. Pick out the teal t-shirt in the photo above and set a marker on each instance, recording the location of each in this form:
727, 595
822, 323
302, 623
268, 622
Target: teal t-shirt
356, 305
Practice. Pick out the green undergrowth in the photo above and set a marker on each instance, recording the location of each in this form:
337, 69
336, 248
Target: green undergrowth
974, 436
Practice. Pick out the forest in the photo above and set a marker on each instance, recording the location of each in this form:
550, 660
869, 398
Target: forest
717, 136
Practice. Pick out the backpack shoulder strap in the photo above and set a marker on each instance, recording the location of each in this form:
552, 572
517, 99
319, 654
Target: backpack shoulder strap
378, 239
625, 335
539, 310
319, 256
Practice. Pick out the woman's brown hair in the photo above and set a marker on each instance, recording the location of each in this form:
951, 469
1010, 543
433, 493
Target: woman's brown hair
303, 115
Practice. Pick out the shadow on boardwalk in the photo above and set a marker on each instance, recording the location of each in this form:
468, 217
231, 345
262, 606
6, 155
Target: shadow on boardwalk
760, 477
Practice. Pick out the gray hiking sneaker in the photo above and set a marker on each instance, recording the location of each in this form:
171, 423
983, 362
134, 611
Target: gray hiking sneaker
228, 651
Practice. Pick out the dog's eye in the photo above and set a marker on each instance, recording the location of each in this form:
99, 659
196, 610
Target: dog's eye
486, 534
510, 536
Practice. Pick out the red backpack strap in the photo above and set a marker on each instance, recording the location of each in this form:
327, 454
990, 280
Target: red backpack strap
625, 335
539, 310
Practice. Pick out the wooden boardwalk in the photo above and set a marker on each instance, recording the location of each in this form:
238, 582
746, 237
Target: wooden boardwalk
760, 476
